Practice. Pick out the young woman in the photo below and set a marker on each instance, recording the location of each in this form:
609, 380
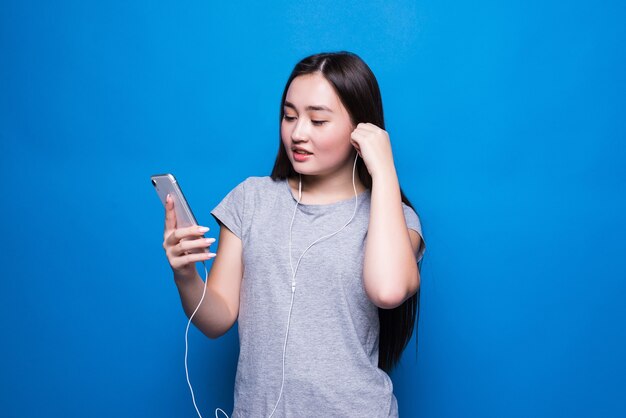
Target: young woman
317, 262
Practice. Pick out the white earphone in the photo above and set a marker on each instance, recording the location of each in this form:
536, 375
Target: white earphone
293, 278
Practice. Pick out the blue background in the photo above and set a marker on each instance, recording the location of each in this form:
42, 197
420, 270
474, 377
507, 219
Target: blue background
508, 130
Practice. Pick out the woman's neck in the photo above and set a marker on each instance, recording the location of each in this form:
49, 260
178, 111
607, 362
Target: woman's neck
318, 190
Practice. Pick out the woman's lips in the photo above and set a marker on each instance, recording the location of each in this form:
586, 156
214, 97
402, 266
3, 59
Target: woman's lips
300, 157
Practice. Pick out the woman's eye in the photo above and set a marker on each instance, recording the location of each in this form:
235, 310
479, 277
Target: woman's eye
314, 122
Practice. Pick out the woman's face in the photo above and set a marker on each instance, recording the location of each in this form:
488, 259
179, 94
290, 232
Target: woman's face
316, 121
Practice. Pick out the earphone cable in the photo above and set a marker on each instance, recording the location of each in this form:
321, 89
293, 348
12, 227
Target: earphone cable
193, 398
293, 290
293, 281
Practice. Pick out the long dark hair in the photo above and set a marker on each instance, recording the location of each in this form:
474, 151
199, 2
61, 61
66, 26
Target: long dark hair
357, 88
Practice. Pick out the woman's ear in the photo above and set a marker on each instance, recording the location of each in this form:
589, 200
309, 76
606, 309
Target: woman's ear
356, 147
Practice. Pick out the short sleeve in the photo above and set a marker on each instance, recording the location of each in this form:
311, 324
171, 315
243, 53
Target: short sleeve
413, 222
230, 211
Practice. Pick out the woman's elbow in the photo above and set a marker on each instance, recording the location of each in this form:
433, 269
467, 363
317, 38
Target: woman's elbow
393, 297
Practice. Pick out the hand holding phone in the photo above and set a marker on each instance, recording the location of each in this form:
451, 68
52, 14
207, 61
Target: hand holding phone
183, 238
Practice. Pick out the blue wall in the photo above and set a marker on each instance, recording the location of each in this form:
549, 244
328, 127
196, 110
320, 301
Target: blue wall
508, 130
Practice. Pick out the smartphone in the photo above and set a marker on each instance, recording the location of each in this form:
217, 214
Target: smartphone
165, 184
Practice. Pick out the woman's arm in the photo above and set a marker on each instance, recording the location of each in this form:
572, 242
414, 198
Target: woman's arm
220, 306
390, 270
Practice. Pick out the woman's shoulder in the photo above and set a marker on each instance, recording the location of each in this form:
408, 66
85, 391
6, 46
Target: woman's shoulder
260, 182
259, 185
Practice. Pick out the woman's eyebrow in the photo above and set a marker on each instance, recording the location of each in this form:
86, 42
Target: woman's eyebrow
319, 107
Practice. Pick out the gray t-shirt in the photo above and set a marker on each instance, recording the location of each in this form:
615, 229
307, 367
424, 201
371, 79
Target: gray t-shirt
331, 360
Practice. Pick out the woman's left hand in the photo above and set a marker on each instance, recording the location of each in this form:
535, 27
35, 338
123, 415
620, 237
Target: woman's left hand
373, 145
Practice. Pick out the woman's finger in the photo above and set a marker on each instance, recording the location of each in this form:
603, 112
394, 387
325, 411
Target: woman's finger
170, 214
183, 261
192, 246
185, 233
369, 127
357, 136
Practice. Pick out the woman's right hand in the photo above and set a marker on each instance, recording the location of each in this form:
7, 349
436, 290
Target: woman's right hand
184, 246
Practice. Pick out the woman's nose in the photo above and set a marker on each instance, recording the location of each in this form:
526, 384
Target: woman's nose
299, 132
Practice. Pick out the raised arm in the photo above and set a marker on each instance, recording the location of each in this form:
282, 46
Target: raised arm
390, 270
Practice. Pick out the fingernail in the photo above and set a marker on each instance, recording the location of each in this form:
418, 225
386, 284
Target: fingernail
212, 254
167, 198
203, 229
210, 240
